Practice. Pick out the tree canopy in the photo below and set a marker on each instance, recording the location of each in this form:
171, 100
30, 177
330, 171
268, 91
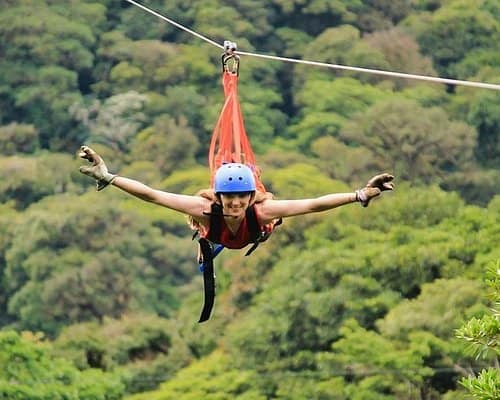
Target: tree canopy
100, 293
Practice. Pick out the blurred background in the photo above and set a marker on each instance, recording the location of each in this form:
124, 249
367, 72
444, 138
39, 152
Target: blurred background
100, 293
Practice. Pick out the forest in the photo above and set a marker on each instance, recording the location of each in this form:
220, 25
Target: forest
100, 292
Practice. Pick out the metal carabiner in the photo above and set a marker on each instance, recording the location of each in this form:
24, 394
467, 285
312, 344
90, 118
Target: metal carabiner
230, 60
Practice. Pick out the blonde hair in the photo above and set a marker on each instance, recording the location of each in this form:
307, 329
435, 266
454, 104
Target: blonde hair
209, 194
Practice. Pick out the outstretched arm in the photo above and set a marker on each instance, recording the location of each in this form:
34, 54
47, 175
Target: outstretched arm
271, 209
190, 205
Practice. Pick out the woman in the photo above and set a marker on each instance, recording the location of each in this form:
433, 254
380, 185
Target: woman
233, 203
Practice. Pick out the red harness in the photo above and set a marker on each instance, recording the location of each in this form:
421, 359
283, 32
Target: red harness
229, 144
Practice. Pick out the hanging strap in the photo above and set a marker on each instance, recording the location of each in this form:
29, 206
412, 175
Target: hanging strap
208, 279
229, 141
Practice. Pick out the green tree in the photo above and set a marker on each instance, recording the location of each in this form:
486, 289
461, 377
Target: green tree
170, 145
212, 378
24, 180
418, 144
326, 106
234, 23
350, 164
411, 354
340, 45
402, 54
377, 15
430, 311
18, 138
141, 25
29, 371
142, 349
150, 65
84, 258
377, 367
484, 114
478, 64
483, 335
8, 220
307, 16
115, 121
448, 34
47, 53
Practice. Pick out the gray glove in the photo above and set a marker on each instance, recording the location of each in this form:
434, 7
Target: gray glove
97, 170
374, 187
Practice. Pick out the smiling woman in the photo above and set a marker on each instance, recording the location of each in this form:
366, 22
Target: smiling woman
233, 220
235, 203
234, 196
234, 213
237, 210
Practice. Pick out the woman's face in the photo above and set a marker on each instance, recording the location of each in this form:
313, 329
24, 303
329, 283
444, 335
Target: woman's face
235, 204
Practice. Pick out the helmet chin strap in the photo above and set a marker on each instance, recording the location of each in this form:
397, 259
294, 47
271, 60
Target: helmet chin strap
231, 216
210, 214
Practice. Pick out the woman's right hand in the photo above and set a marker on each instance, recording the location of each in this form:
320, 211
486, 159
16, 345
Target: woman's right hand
97, 170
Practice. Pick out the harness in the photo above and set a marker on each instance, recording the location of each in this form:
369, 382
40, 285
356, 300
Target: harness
209, 248
229, 143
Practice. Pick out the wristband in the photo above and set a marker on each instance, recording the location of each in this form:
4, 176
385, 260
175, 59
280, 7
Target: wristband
105, 181
361, 197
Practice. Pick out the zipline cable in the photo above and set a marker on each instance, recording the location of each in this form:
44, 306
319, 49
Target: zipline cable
149, 10
327, 65
379, 72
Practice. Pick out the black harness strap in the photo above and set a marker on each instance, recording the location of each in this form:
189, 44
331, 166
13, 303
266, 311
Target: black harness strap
215, 223
257, 233
254, 228
253, 224
207, 252
208, 279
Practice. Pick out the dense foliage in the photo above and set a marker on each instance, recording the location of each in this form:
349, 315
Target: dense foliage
29, 371
100, 293
483, 334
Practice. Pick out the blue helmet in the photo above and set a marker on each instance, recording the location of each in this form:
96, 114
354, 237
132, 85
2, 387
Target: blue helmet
234, 177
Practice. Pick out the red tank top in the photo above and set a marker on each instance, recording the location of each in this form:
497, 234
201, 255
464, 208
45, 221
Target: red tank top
239, 240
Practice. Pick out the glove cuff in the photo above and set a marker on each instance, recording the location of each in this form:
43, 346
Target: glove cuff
361, 197
105, 181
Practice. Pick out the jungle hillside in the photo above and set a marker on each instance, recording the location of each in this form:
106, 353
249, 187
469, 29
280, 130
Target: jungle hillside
100, 292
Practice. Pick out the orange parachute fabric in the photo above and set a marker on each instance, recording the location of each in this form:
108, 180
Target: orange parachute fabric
229, 139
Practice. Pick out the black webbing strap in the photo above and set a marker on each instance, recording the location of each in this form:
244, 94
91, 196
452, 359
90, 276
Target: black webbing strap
208, 279
207, 251
253, 223
255, 230
215, 223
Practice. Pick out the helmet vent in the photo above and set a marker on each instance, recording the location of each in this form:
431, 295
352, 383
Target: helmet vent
234, 177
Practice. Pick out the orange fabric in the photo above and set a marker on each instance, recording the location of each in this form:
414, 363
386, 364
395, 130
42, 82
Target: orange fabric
229, 139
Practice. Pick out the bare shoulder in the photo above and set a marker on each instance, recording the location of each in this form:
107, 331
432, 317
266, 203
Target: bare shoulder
262, 209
